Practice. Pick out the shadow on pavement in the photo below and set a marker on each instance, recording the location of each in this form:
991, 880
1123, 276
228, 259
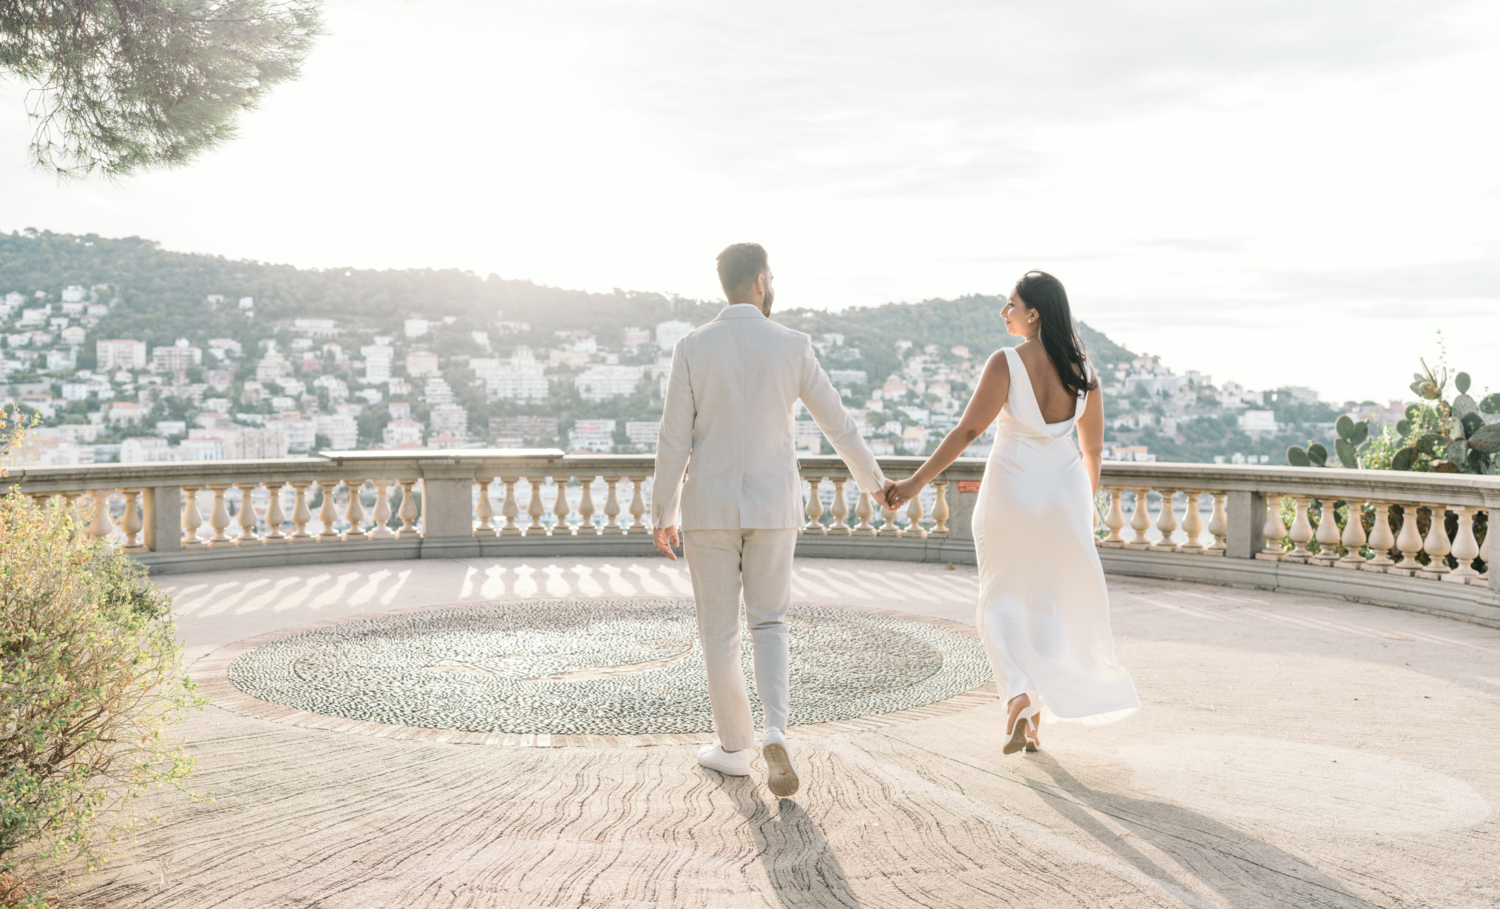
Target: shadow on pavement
799, 862
1242, 870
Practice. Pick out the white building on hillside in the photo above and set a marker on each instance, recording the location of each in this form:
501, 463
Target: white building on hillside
421, 363
669, 333
592, 435
807, 437
378, 359
1260, 421
121, 353
317, 328
341, 431
603, 381
300, 432
643, 434
126, 412
147, 450
178, 357
271, 367
449, 420
402, 434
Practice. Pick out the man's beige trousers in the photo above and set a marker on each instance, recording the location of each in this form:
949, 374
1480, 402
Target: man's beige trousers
723, 565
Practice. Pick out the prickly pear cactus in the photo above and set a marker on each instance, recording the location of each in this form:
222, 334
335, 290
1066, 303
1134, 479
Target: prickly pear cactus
1444, 436
1352, 436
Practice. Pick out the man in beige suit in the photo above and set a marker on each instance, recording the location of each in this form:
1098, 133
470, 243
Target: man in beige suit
727, 426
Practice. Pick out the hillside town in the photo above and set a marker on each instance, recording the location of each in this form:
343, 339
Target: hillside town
309, 384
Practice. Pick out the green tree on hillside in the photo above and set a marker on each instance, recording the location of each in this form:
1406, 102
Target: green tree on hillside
125, 85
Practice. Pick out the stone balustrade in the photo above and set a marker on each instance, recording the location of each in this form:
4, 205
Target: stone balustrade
1411, 540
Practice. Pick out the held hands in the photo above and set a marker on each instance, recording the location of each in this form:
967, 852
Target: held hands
898, 494
665, 538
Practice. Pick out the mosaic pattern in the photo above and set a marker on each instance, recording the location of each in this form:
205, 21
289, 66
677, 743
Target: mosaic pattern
602, 667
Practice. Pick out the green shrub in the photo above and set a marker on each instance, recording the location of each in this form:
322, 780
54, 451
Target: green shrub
91, 680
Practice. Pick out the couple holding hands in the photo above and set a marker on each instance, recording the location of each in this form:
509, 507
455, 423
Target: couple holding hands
727, 486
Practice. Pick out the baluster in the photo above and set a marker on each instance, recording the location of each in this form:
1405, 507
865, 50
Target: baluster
638, 505
1192, 522
1166, 522
191, 518
814, 508
76, 509
1302, 531
218, 517
301, 514
1436, 544
534, 507
1382, 539
586, 507
354, 512
840, 508
888, 526
1274, 530
131, 522
612, 507
72, 509
327, 514
1465, 548
1484, 549
274, 516
1218, 525
560, 508
1353, 538
1140, 521
1409, 541
1115, 519
940, 513
382, 528
409, 512
247, 515
1328, 533
509, 509
101, 526
485, 509
864, 509
914, 518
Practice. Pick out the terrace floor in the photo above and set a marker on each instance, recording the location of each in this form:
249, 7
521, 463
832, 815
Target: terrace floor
1292, 751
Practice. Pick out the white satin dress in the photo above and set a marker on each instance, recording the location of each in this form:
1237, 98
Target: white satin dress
1043, 606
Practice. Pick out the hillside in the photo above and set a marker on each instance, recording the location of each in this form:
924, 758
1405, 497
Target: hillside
162, 296
422, 354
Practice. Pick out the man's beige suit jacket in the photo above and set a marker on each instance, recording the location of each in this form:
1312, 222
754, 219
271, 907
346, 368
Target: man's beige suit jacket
727, 426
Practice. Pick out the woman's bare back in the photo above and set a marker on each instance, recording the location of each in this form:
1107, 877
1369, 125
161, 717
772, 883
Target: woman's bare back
1052, 397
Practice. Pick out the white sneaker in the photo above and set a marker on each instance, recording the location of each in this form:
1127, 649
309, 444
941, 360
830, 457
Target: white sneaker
781, 771
714, 757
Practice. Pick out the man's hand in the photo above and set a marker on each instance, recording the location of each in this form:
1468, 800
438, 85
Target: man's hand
665, 538
898, 494
885, 494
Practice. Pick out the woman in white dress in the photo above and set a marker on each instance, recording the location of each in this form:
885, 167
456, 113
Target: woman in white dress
1043, 607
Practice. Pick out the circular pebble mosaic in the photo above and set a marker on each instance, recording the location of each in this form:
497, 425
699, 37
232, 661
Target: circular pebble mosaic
602, 667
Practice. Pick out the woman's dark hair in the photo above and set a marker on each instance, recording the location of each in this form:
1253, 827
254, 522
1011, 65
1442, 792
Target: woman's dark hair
1045, 294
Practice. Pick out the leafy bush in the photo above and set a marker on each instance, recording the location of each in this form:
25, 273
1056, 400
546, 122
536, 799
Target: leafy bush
91, 679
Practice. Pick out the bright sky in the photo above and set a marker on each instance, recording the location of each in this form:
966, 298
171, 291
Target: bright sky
1274, 191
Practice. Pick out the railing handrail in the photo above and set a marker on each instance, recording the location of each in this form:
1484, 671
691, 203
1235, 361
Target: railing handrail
1339, 482
1464, 489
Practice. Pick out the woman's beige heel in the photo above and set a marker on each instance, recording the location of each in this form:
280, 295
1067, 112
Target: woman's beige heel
1018, 737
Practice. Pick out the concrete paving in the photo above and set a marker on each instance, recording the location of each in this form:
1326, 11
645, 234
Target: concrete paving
1292, 751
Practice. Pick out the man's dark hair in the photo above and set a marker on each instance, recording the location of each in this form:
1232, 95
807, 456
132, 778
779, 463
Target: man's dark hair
740, 264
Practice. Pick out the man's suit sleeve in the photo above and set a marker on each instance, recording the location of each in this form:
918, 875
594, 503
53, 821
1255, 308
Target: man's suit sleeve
674, 443
827, 409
